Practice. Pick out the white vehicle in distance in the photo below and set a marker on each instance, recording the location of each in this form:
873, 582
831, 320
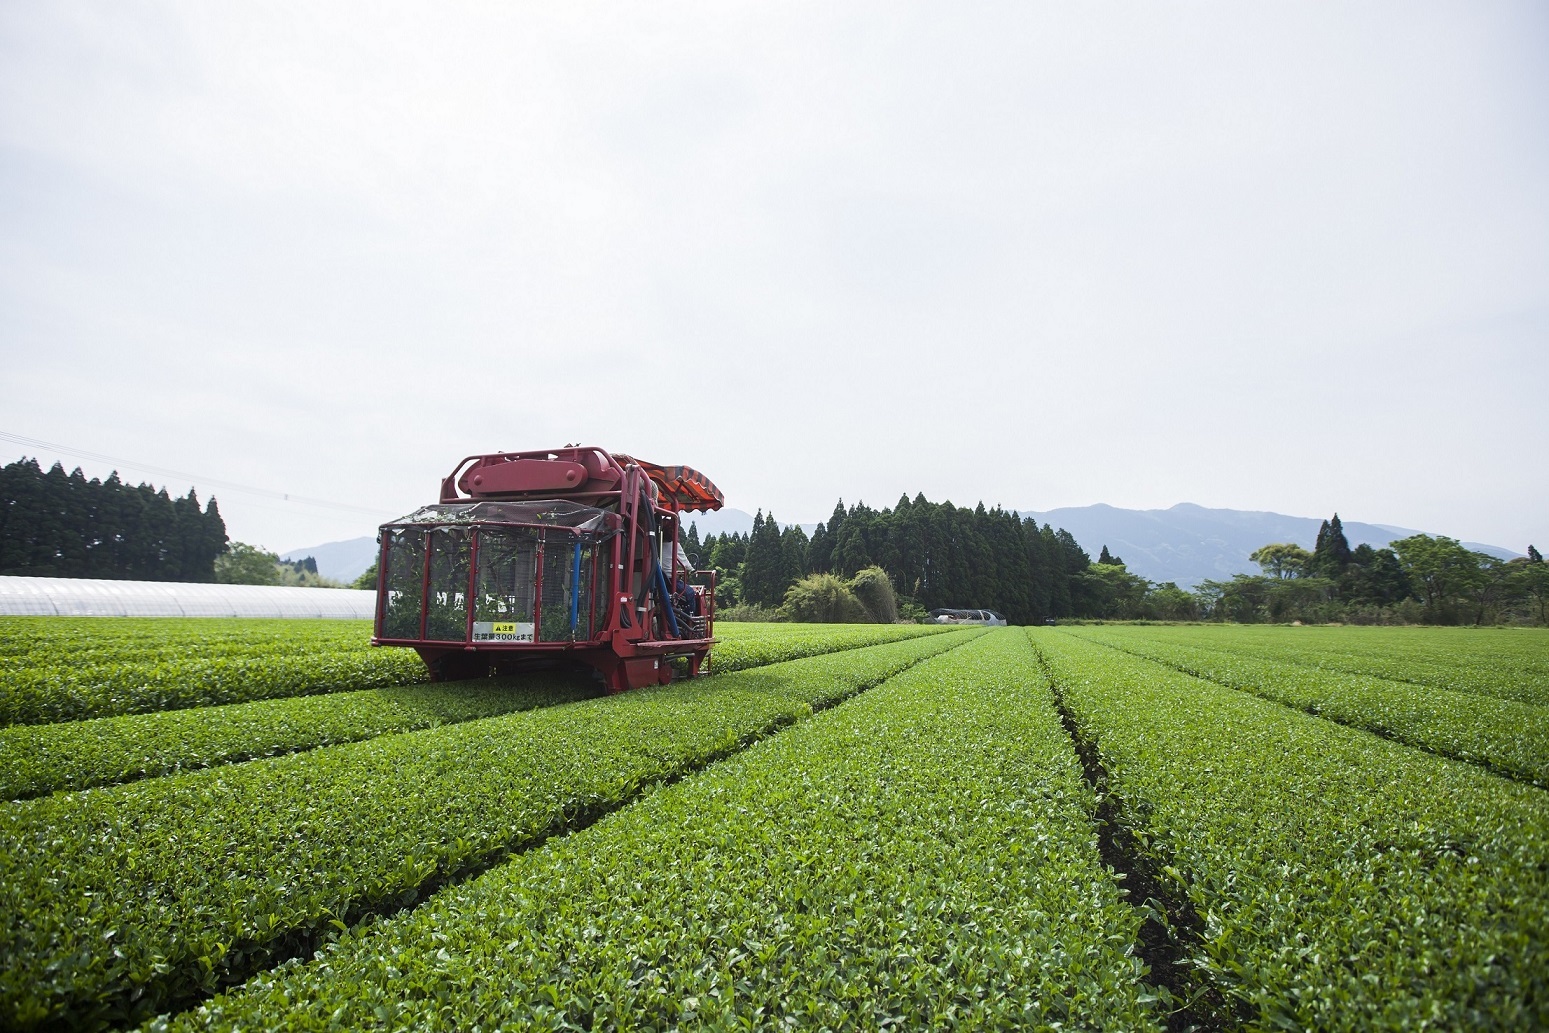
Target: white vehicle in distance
987, 618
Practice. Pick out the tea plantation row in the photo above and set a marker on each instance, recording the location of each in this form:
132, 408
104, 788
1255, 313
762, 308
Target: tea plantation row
176, 885
1505, 735
1112, 828
921, 857
95, 667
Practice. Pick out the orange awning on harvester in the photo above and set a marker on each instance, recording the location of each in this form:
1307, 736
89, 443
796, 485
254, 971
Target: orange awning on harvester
683, 487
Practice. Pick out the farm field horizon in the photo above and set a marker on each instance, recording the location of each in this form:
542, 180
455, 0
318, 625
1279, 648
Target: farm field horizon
228, 824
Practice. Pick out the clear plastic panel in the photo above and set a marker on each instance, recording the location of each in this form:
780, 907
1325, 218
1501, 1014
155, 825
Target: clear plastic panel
558, 571
404, 583
601, 557
446, 607
506, 568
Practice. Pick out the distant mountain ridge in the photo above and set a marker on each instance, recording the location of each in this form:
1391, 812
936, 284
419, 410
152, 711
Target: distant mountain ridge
342, 561
1189, 543
1186, 544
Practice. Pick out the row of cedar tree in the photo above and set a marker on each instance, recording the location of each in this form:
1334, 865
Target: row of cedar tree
54, 524
936, 554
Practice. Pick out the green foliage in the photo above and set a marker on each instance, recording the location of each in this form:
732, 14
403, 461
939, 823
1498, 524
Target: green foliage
180, 885
1342, 882
40, 759
827, 599
1374, 577
743, 613
764, 571
1443, 572
924, 855
1331, 552
1251, 600
62, 525
368, 580
1506, 736
71, 669
1282, 559
934, 554
823, 599
875, 591
244, 564
918, 858
1168, 602
1507, 664
1109, 590
1531, 582
755, 644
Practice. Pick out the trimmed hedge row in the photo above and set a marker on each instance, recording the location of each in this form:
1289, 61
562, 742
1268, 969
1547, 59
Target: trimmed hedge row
1506, 736
177, 886
67, 640
73, 674
1343, 882
40, 759
761, 644
1507, 663
61, 692
921, 857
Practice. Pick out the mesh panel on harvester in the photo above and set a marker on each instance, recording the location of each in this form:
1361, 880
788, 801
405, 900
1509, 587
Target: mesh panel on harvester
405, 583
554, 609
507, 564
446, 610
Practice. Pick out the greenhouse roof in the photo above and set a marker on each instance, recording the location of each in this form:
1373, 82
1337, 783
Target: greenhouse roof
88, 597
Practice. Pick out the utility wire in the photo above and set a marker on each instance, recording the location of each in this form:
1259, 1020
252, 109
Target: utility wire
81, 453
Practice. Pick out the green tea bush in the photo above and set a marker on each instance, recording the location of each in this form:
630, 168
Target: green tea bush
921, 857
1506, 736
174, 887
1341, 881
39, 759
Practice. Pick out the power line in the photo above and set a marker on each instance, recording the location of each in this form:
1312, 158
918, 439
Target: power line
81, 453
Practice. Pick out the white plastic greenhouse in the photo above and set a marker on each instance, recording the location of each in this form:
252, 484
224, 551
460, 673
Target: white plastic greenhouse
88, 597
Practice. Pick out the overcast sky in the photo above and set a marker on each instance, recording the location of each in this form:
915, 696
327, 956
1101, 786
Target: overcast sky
1285, 257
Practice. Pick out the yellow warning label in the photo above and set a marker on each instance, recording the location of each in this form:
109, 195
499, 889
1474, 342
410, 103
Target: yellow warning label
506, 628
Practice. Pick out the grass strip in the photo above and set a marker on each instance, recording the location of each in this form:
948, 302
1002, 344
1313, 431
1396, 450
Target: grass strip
1345, 882
39, 759
921, 857
1509, 738
170, 888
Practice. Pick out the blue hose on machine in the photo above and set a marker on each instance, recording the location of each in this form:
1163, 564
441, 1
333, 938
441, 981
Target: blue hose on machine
661, 586
575, 589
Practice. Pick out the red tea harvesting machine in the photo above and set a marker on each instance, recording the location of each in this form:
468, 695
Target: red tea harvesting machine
568, 554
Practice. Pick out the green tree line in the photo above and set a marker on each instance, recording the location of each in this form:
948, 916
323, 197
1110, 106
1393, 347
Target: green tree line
57, 524
940, 555
1422, 579
934, 554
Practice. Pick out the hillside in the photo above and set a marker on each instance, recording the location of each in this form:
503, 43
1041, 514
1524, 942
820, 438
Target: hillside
1189, 544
